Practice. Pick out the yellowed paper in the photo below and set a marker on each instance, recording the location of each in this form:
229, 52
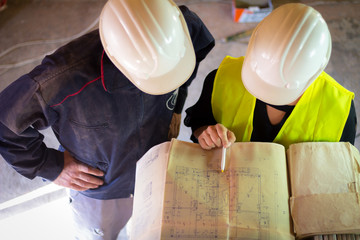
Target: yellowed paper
180, 192
249, 200
325, 188
149, 193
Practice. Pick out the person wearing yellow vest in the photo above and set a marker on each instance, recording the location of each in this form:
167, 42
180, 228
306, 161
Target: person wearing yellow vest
279, 91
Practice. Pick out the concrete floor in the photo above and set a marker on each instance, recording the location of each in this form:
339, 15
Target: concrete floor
26, 21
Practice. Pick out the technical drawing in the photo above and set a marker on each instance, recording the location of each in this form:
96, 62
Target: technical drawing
205, 203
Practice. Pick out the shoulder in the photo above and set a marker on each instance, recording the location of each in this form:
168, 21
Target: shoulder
193, 21
201, 37
326, 80
188, 14
79, 55
83, 49
69, 68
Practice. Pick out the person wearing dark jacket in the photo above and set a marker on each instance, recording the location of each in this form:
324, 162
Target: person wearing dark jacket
109, 96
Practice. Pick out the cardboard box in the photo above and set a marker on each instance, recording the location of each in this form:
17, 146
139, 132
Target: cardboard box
251, 11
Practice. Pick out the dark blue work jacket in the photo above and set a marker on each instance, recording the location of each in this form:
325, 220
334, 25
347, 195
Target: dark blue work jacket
96, 113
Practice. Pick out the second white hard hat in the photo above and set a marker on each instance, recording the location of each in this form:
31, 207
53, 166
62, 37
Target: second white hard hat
287, 51
149, 42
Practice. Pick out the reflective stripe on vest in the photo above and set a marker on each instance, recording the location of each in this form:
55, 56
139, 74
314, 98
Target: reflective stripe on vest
320, 114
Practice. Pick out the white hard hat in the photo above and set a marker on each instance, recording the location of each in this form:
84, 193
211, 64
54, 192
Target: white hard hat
149, 42
287, 51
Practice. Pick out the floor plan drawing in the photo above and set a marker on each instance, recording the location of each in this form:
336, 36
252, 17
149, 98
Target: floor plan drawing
192, 199
265, 192
206, 198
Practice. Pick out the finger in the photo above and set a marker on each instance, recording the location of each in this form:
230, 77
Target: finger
90, 179
68, 182
222, 133
204, 142
231, 137
79, 183
74, 165
77, 187
213, 136
89, 170
205, 139
75, 184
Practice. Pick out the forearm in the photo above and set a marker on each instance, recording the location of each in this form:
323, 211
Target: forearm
28, 155
199, 116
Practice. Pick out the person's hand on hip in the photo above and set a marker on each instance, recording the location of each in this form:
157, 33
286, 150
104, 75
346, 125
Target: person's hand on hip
77, 175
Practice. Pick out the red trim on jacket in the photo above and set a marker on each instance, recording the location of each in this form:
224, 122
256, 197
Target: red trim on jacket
76, 93
102, 70
82, 88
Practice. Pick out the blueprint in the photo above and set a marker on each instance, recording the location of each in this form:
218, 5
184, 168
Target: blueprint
247, 201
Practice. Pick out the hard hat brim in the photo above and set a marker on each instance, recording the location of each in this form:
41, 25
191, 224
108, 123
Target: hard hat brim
287, 51
266, 92
164, 80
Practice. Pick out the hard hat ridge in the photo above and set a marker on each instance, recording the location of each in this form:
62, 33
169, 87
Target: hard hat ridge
149, 42
287, 51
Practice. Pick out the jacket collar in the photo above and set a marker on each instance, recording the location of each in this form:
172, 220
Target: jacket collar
111, 77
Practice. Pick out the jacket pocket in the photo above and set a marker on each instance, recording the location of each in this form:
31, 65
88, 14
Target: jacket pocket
88, 125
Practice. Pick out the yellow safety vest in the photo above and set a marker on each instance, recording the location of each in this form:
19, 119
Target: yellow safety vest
320, 114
